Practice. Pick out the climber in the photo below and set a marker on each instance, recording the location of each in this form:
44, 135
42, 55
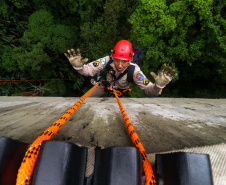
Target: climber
121, 70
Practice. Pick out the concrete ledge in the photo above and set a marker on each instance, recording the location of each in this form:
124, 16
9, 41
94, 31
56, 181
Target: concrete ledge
163, 124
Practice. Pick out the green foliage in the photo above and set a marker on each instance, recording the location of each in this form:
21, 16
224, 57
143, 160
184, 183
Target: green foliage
42, 43
7, 89
54, 88
19, 3
60, 8
64, 37
8, 64
185, 32
194, 90
136, 92
3, 9
41, 25
78, 83
34, 62
107, 27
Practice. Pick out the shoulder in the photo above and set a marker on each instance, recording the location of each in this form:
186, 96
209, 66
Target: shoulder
100, 62
136, 68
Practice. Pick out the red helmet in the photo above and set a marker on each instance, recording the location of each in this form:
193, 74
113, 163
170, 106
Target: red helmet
123, 50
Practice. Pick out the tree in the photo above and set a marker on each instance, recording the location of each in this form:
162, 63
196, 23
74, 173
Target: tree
43, 45
191, 33
104, 24
12, 25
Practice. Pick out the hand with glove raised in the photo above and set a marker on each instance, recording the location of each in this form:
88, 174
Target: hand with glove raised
164, 76
75, 58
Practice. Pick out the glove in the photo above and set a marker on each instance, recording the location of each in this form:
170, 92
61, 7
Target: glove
75, 59
164, 76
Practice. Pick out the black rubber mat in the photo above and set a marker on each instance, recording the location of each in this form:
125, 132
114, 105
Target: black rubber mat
65, 163
182, 168
118, 165
60, 163
11, 156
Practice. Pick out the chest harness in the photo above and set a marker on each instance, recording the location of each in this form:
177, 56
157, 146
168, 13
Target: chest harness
136, 59
108, 86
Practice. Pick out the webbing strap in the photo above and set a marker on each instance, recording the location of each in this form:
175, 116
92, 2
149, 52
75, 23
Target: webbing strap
26, 169
121, 92
150, 178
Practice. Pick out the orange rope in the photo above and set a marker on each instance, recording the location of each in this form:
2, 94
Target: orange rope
150, 178
25, 172
120, 93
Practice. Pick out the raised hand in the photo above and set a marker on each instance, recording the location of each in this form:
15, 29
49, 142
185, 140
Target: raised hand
75, 58
164, 76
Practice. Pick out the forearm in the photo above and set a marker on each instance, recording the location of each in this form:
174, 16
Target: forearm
86, 70
92, 68
152, 90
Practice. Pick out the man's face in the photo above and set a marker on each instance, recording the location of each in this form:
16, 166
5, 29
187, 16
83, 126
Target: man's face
121, 65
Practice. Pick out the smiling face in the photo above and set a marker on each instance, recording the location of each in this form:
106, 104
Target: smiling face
121, 65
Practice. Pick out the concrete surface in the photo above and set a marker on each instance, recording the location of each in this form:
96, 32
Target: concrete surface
162, 124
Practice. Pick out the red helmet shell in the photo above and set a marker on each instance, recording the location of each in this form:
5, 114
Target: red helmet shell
123, 50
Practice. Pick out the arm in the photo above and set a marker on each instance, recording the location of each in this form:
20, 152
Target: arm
92, 68
145, 85
164, 76
79, 64
161, 80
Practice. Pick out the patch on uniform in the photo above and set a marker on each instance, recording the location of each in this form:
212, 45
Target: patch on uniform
96, 63
124, 77
139, 76
103, 61
145, 81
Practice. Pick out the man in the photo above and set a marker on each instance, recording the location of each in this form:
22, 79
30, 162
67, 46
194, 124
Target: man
118, 73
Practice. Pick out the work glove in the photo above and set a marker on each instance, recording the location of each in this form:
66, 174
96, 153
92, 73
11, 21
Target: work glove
75, 58
164, 76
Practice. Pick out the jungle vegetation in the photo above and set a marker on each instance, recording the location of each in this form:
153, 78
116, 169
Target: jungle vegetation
189, 35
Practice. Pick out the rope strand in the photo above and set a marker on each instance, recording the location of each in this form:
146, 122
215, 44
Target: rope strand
26, 169
150, 178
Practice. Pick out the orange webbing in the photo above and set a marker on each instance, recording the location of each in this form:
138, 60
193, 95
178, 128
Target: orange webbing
25, 172
150, 178
120, 93
102, 87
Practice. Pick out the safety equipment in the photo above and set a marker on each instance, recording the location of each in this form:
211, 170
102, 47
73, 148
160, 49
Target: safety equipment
108, 88
24, 176
164, 76
137, 59
123, 50
148, 171
75, 59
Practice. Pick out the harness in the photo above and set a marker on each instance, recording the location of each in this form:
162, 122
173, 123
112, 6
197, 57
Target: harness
136, 59
129, 71
108, 88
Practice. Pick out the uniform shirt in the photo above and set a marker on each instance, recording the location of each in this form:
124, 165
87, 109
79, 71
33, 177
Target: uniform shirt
139, 78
